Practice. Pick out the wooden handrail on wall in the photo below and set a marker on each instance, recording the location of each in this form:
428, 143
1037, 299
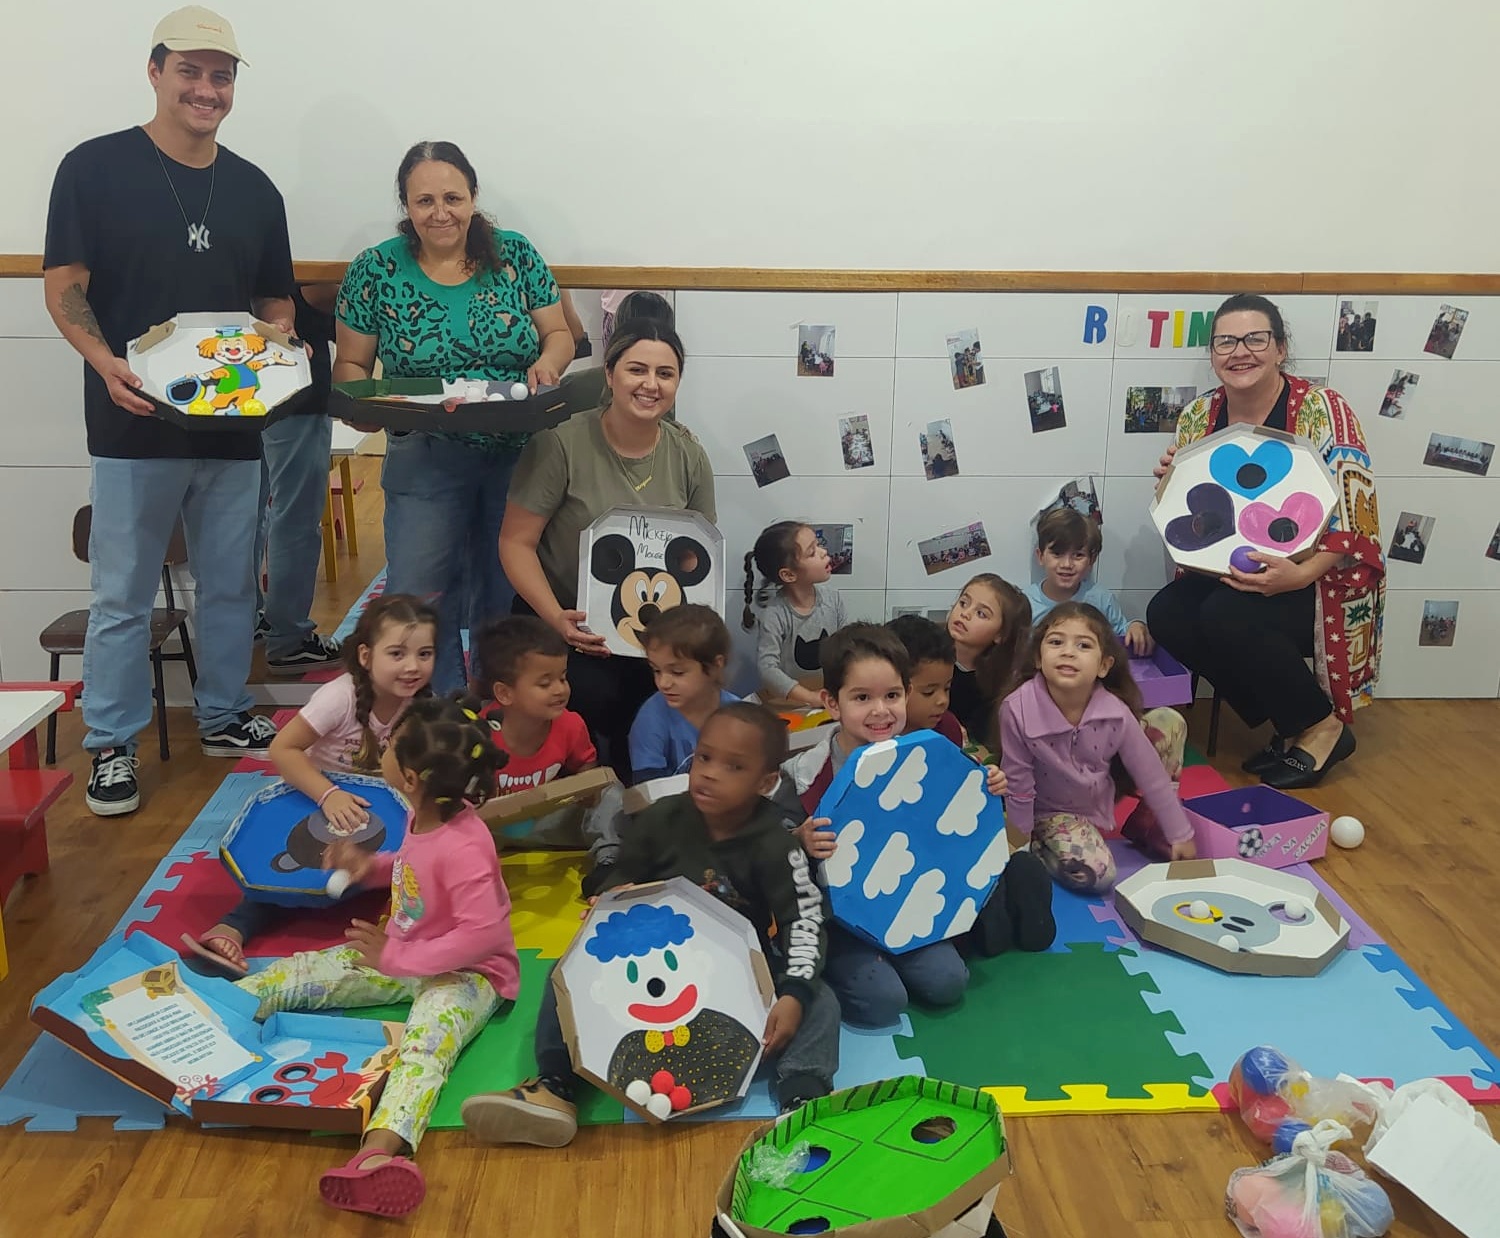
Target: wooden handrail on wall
778, 279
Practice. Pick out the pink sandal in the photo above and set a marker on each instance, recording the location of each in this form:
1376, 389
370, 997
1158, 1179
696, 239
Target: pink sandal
389, 1190
223, 952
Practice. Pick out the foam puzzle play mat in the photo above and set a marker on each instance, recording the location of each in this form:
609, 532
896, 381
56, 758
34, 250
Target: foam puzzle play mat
1176, 1026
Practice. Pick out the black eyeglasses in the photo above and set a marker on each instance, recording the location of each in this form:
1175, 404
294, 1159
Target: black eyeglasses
1256, 341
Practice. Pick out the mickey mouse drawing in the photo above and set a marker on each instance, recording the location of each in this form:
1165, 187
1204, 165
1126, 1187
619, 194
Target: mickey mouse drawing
643, 592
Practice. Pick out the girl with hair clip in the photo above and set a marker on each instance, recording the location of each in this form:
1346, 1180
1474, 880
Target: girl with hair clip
344, 728
798, 610
1072, 737
447, 947
989, 624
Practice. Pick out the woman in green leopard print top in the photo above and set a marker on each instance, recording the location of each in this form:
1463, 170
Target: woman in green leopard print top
452, 296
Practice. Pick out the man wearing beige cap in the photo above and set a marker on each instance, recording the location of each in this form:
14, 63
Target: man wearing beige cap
144, 224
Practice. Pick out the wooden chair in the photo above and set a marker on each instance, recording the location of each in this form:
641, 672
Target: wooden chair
64, 636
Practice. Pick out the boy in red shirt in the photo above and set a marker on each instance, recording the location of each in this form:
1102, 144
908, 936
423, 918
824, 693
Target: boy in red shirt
521, 666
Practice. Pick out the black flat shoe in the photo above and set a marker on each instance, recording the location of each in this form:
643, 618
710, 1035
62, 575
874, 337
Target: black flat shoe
1297, 768
1267, 758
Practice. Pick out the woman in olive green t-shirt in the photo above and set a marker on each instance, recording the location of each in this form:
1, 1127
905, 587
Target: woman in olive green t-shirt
624, 455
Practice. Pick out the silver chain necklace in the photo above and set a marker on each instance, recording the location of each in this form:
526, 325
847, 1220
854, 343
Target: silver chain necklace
197, 233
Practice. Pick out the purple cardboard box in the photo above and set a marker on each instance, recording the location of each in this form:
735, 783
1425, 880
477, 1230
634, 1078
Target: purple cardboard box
1259, 824
1162, 679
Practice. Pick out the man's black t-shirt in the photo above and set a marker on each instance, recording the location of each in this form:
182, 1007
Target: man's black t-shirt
113, 211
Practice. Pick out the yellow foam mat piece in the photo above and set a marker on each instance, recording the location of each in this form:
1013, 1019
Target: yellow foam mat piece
546, 903
1095, 1098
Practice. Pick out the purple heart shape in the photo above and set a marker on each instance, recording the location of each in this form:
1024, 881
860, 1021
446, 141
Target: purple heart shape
1210, 518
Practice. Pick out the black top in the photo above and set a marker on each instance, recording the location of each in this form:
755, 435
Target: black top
761, 871
1279, 418
966, 703
315, 329
113, 211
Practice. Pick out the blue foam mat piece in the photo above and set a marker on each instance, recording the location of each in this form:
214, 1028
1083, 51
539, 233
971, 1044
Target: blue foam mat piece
53, 1087
1350, 1018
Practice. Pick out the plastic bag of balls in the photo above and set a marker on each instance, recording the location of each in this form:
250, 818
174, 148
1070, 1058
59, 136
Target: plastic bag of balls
1278, 1100
1310, 1192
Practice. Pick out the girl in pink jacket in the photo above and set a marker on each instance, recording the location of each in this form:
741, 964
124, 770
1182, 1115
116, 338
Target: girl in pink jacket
1072, 736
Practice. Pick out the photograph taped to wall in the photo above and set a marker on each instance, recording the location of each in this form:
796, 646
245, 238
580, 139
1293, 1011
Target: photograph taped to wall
939, 456
1082, 495
1356, 327
767, 463
1447, 328
1399, 394
855, 443
1463, 455
954, 548
1154, 410
1044, 399
838, 541
965, 362
815, 351
1439, 624
936, 616
1494, 548
1412, 537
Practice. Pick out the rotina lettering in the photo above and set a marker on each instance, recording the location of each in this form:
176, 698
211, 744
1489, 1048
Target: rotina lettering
1165, 328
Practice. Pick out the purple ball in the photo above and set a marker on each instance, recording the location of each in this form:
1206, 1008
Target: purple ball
1240, 559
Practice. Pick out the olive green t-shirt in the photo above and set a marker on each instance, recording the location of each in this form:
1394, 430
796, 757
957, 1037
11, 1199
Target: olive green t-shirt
572, 476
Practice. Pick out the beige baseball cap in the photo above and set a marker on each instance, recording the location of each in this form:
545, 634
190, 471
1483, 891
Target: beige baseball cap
196, 29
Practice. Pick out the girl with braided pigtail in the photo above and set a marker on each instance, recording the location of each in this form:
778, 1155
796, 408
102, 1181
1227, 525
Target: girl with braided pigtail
344, 728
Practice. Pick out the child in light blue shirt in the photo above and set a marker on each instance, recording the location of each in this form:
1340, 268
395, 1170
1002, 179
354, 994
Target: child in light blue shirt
1067, 547
687, 648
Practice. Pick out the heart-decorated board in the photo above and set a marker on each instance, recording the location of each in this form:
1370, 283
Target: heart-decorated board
1245, 489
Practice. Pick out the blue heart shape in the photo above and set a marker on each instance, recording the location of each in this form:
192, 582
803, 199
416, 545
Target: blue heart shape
1250, 473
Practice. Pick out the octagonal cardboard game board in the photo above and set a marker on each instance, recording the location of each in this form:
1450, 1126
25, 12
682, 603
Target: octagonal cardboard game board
1246, 488
274, 846
218, 371
663, 998
921, 843
634, 562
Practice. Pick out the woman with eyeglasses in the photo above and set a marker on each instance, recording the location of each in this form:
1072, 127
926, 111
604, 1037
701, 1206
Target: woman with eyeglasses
1249, 633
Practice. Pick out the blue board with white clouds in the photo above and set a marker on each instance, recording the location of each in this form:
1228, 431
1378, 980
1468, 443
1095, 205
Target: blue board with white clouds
921, 843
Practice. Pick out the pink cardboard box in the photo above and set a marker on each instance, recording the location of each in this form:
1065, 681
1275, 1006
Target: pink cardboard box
1259, 824
1162, 679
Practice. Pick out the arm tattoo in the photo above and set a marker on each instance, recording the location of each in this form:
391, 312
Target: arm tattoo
77, 311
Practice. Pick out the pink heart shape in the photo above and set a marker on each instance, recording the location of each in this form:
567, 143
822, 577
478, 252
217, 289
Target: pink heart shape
1282, 528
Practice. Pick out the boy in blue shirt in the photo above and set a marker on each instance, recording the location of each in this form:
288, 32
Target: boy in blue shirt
1067, 547
687, 648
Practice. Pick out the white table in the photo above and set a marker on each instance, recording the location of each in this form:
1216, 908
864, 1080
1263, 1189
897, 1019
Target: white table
21, 711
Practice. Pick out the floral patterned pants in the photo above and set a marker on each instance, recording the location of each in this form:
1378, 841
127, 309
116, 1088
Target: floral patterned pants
446, 1013
1073, 849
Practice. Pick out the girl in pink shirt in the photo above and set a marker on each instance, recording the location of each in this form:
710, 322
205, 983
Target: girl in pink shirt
1071, 736
344, 728
447, 946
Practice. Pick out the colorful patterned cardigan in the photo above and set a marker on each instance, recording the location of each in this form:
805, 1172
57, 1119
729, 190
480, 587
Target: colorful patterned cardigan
1351, 595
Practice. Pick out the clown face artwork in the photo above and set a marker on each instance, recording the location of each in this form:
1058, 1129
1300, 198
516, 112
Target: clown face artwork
663, 998
218, 370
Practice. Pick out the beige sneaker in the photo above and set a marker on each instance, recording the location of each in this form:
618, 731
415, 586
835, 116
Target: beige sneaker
529, 1113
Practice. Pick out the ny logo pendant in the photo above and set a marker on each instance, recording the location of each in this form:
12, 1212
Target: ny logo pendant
198, 238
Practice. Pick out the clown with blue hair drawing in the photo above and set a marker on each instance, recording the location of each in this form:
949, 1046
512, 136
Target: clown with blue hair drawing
655, 973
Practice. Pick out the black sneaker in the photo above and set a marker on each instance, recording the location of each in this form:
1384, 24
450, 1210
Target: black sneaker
314, 652
113, 790
249, 735
593, 884
262, 628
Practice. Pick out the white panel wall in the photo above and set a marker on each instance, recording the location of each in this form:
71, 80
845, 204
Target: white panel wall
741, 384
890, 366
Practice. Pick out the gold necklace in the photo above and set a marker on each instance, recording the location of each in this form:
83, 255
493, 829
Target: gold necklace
650, 462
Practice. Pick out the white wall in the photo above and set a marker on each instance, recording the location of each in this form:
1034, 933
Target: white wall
890, 366
1338, 135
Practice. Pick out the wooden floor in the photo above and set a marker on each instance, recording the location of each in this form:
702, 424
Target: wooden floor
1426, 782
